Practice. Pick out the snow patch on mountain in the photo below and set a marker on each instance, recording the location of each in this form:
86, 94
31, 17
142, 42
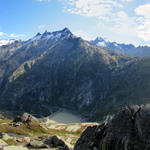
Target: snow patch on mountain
6, 42
103, 44
58, 35
128, 49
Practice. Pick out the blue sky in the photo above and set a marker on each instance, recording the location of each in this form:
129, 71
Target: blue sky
124, 21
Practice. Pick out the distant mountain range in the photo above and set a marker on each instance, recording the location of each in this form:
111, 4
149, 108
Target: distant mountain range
6, 41
57, 70
128, 49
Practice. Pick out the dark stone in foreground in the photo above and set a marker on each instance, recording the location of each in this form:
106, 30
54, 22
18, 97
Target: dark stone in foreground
49, 142
55, 142
128, 130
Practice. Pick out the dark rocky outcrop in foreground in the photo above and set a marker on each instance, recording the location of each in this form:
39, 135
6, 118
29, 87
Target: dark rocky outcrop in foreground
50, 142
55, 142
128, 130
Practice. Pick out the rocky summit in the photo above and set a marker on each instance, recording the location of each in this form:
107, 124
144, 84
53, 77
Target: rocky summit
128, 130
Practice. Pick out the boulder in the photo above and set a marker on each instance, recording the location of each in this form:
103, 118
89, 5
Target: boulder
5, 136
25, 118
28, 117
37, 144
26, 139
55, 142
127, 130
15, 148
2, 143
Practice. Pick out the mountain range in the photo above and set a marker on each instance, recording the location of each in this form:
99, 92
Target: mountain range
128, 49
57, 70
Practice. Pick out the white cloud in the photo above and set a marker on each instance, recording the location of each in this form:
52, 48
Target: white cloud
112, 18
42, 26
2, 33
84, 35
143, 10
94, 8
124, 28
16, 36
126, 0
110, 15
144, 21
6, 35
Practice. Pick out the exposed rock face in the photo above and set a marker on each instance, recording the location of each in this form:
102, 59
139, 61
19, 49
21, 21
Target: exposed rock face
25, 118
89, 138
28, 117
128, 130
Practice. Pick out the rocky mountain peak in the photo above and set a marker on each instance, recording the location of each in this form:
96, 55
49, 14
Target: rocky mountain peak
66, 30
46, 33
57, 35
99, 39
38, 34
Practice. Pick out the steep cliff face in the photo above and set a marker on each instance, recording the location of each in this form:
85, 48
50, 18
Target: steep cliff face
58, 70
128, 130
